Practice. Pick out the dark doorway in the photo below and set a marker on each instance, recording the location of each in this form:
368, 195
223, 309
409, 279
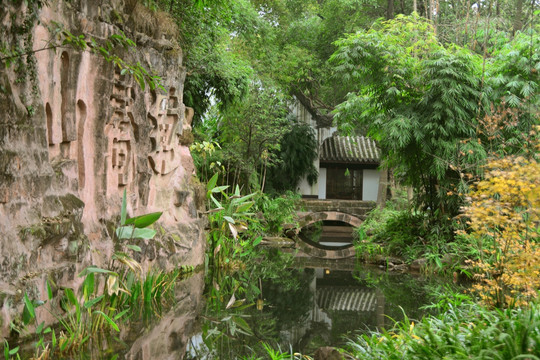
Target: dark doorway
343, 183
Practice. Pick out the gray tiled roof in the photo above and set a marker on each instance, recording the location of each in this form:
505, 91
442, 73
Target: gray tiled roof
350, 150
348, 299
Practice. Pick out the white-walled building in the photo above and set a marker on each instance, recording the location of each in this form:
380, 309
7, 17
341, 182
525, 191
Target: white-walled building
347, 165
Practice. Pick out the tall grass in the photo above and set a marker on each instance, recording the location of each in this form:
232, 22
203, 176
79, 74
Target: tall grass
468, 331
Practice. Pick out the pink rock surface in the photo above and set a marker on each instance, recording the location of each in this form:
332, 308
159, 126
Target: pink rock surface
74, 134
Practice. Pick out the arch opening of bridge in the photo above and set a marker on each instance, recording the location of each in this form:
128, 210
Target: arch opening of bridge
328, 252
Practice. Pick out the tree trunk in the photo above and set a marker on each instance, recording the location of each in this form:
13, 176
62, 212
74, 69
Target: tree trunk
466, 38
435, 14
415, 6
390, 9
518, 16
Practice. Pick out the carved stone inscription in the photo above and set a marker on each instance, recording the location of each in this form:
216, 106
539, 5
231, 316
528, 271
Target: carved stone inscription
120, 133
167, 128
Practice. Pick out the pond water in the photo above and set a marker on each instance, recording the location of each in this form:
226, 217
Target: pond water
328, 234
334, 300
312, 303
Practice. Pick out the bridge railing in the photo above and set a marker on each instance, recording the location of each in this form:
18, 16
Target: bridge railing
357, 208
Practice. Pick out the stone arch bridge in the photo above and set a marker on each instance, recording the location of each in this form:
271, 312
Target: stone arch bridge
346, 213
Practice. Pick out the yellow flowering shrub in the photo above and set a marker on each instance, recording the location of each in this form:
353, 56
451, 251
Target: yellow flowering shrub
503, 215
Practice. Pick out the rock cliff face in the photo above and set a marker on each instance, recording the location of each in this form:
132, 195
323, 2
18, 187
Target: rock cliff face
75, 133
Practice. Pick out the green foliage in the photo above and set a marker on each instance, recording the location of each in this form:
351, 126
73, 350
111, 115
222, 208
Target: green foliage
377, 218
418, 100
277, 211
304, 41
9, 353
467, 331
108, 49
206, 158
391, 229
239, 267
106, 296
248, 134
229, 218
514, 71
214, 68
503, 220
251, 132
297, 152
513, 77
399, 231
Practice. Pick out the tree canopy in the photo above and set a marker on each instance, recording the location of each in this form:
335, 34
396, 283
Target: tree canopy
440, 85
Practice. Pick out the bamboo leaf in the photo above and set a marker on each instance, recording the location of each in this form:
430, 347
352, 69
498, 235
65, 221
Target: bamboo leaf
108, 319
94, 269
145, 234
257, 241
120, 314
39, 329
219, 189
244, 207
229, 219
243, 199
242, 324
233, 229
134, 247
123, 211
212, 182
71, 296
112, 285
28, 312
125, 232
88, 304
88, 285
143, 221
231, 302
49, 290
217, 203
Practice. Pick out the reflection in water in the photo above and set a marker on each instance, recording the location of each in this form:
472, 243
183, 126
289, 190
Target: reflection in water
331, 301
168, 338
340, 304
328, 234
346, 301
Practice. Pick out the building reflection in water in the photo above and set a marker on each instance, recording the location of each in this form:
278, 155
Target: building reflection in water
340, 305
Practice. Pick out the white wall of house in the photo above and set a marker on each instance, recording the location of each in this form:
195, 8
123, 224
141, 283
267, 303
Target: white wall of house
370, 185
322, 183
322, 134
312, 190
303, 115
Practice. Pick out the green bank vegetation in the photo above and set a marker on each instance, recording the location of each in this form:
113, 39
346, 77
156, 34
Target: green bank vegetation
449, 91
107, 299
452, 99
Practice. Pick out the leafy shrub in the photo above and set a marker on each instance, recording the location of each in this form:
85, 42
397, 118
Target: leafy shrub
297, 152
503, 218
391, 231
467, 331
396, 230
277, 211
